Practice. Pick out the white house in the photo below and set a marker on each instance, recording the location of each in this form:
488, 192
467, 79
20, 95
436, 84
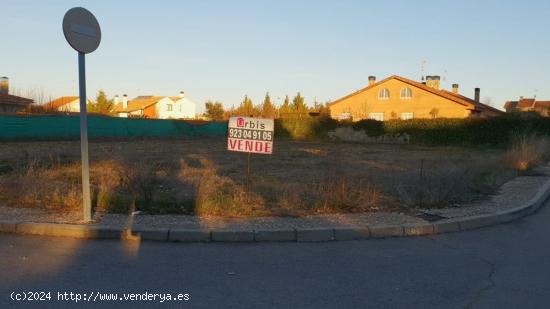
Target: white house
158, 107
68, 104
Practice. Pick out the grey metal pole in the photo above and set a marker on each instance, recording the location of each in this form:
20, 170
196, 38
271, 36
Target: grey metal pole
87, 202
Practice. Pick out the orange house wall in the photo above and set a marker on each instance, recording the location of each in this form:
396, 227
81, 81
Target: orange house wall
150, 112
421, 103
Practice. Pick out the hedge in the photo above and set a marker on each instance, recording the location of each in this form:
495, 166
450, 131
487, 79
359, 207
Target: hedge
441, 131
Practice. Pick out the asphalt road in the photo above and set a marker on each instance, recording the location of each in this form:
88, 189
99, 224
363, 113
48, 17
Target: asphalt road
506, 266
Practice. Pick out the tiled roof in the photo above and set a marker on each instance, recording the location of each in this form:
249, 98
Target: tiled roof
14, 100
545, 104
460, 99
137, 103
57, 103
510, 104
523, 103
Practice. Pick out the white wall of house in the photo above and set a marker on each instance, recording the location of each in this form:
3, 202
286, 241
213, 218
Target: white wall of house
187, 108
167, 108
73, 106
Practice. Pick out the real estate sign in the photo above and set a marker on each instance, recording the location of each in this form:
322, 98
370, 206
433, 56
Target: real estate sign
253, 135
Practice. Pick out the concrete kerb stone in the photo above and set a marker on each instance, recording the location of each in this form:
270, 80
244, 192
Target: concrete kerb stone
66, 230
542, 195
382, 231
275, 235
418, 229
474, 222
233, 235
315, 234
7, 226
446, 226
189, 235
514, 214
158, 234
352, 233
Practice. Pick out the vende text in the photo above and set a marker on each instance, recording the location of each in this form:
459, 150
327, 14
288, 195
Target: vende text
243, 145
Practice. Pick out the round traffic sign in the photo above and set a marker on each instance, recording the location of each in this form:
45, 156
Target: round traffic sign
81, 30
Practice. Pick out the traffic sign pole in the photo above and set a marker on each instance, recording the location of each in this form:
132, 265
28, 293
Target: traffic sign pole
87, 201
83, 33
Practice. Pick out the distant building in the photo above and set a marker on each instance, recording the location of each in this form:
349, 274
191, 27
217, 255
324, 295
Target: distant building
68, 104
11, 103
528, 105
155, 107
397, 97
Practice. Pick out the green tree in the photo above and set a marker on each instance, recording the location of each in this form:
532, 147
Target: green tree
322, 109
268, 109
247, 108
102, 105
285, 111
299, 107
214, 110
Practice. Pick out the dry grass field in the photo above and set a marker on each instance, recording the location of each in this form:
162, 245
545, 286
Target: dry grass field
201, 177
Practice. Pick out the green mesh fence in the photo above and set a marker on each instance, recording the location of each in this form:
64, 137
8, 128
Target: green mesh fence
43, 127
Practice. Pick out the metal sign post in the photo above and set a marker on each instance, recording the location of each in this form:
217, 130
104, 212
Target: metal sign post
248, 176
251, 135
83, 33
87, 200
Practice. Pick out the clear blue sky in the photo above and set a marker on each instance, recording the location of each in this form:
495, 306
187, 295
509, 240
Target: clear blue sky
222, 50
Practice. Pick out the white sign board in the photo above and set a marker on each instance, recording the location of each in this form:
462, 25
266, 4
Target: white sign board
253, 135
81, 30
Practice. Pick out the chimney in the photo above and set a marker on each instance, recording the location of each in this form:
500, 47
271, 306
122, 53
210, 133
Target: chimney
182, 94
125, 101
476, 95
372, 80
116, 100
455, 88
4, 85
433, 81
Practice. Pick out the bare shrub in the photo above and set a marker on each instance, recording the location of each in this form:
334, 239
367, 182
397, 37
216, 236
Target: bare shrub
141, 180
37, 186
341, 193
218, 195
336, 192
107, 178
433, 186
526, 151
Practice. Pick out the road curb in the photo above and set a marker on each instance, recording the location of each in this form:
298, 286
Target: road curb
232, 235
338, 233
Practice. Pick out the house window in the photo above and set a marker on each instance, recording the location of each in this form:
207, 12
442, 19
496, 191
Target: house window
384, 94
406, 116
406, 93
169, 107
376, 116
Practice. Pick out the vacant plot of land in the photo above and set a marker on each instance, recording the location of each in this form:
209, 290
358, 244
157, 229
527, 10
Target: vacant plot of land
202, 177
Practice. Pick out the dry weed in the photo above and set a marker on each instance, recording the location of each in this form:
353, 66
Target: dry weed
526, 151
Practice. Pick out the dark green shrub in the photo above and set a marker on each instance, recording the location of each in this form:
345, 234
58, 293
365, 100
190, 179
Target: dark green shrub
306, 128
370, 126
440, 131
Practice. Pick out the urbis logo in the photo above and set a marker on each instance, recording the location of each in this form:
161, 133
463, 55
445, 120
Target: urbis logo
240, 122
